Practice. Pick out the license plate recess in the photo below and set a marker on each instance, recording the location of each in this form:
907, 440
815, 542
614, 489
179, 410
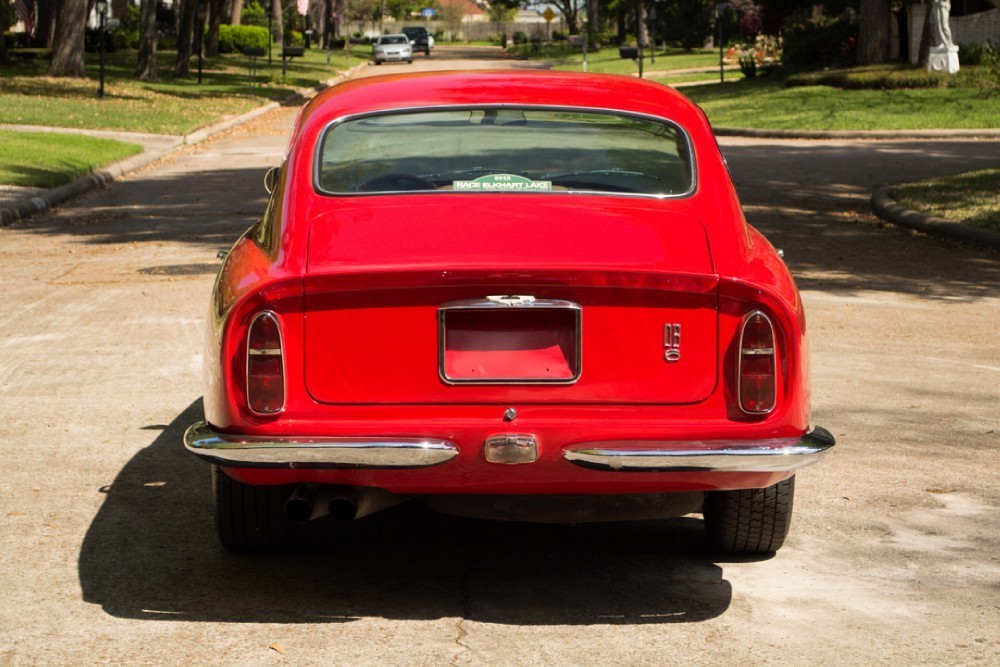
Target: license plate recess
509, 340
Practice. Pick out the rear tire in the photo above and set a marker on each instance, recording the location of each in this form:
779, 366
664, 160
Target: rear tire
749, 521
250, 519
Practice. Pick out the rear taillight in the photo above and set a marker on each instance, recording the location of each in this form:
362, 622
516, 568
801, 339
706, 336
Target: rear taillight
265, 365
757, 374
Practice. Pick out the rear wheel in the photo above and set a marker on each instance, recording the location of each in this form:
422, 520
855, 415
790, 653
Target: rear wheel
250, 519
749, 521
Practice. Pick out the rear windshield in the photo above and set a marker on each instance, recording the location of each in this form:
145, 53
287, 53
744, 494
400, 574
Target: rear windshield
504, 150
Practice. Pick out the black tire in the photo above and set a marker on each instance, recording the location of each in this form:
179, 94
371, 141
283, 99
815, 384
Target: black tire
749, 521
250, 519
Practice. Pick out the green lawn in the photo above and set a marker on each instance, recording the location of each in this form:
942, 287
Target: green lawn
970, 198
767, 104
607, 60
172, 106
44, 159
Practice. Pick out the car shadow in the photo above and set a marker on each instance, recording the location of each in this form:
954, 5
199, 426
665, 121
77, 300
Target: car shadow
151, 553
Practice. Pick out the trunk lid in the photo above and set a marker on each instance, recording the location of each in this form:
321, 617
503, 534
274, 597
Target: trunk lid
404, 302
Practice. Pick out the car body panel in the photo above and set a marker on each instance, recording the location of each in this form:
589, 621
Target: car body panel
358, 283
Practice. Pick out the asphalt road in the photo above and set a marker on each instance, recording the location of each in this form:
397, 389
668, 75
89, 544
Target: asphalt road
108, 554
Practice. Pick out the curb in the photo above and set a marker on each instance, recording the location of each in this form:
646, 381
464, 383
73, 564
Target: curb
857, 134
25, 208
889, 210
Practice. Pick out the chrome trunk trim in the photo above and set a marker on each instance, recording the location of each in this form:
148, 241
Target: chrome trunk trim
239, 451
767, 455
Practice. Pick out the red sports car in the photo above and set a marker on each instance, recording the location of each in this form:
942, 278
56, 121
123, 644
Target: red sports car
530, 296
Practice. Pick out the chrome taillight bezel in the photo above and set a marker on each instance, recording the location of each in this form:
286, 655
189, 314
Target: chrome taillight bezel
279, 352
772, 353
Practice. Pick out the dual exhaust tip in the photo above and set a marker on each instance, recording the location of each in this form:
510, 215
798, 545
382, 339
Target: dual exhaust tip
312, 501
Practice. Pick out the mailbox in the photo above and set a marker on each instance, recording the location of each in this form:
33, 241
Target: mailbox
630, 52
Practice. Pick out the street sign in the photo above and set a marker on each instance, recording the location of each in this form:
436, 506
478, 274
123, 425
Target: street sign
548, 15
427, 13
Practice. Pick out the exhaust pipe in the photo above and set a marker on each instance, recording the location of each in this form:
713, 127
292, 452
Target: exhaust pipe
357, 502
306, 503
344, 503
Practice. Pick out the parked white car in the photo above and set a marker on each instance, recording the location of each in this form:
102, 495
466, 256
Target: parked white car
392, 48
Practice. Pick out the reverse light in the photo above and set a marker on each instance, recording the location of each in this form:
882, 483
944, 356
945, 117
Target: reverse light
265, 365
757, 364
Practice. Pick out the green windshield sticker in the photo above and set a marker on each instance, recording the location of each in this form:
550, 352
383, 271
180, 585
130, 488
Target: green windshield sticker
502, 183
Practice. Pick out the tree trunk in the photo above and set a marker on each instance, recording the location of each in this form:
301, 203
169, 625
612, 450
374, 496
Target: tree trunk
67, 48
594, 21
237, 12
902, 27
145, 68
216, 7
277, 25
643, 24
924, 52
185, 34
45, 24
873, 32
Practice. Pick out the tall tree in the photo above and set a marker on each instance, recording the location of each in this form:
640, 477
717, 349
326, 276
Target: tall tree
277, 23
215, 8
237, 12
570, 11
145, 67
67, 47
874, 21
7, 18
187, 14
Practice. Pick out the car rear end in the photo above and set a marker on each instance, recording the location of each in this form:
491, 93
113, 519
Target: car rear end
504, 329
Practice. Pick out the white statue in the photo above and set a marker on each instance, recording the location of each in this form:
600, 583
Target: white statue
940, 29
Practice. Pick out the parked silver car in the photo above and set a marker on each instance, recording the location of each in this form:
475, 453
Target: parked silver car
391, 48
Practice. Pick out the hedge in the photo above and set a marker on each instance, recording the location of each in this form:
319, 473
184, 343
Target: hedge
235, 38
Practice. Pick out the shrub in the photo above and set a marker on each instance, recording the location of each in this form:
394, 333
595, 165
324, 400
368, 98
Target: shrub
970, 54
125, 39
254, 15
821, 43
687, 22
235, 38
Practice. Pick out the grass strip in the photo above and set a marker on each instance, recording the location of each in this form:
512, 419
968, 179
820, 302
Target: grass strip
171, 106
769, 104
47, 160
607, 60
970, 198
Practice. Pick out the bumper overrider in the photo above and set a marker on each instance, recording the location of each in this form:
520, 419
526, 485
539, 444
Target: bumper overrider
764, 455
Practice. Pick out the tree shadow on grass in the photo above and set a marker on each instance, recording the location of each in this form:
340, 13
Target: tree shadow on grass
151, 553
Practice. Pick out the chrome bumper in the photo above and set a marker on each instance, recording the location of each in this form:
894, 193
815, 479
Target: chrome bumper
317, 452
770, 455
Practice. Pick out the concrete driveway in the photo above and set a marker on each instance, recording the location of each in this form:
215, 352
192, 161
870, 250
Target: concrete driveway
108, 554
